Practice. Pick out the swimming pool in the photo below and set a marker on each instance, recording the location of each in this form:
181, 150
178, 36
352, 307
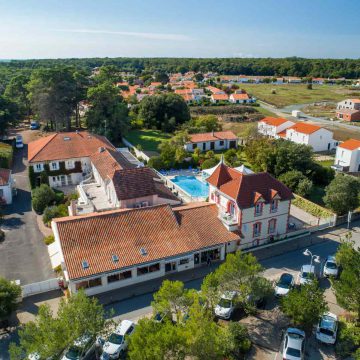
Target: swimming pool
191, 185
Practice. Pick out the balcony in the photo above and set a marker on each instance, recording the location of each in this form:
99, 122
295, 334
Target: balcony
230, 221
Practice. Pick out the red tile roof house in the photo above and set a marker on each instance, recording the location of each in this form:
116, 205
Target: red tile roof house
216, 98
348, 110
218, 140
109, 250
318, 138
256, 205
240, 98
65, 156
347, 158
272, 127
6, 186
116, 183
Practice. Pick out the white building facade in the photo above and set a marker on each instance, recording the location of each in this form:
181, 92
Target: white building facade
6, 186
271, 127
347, 158
220, 140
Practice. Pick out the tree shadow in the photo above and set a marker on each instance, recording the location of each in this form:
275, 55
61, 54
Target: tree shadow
11, 223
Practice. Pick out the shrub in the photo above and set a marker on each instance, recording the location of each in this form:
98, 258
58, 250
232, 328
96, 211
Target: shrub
209, 163
304, 187
10, 293
59, 197
311, 207
53, 212
156, 162
292, 178
49, 239
6, 155
2, 235
42, 197
32, 177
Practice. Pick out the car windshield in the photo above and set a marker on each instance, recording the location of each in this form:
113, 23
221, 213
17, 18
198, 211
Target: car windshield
327, 332
116, 339
293, 352
225, 303
331, 265
285, 281
73, 353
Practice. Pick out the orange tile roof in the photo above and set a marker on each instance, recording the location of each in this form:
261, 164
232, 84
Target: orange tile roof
246, 189
212, 136
220, 96
273, 121
282, 134
214, 89
182, 91
355, 100
107, 161
350, 144
67, 145
4, 176
162, 231
240, 96
304, 128
156, 83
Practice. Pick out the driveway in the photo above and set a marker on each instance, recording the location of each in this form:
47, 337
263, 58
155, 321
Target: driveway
23, 254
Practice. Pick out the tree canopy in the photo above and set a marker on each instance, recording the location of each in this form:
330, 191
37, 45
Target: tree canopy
9, 293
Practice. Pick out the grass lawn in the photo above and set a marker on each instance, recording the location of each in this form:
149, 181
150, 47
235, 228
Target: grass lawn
289, 94
326, 163
265, 112
317, 194
148, 139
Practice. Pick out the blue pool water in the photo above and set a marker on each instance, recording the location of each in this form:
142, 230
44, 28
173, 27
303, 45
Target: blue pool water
192, 186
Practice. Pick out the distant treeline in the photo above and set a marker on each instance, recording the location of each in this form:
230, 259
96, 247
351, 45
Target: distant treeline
293, 66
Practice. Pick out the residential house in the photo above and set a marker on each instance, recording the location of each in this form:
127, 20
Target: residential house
347, 158
318, 138
216, 140
215, 90
255, 205
274, 127
348, 110
6, 186
113, 249
216, 98
293, 80
241, 98
65, 157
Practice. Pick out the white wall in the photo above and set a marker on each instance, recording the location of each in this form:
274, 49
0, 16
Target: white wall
226, 145
7, 193
318, 140
271, 130
345, 157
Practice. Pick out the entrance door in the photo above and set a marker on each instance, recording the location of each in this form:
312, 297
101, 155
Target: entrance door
232, 144
328, 146
69, 180
197, 259
212, 145
63, 180
170, 266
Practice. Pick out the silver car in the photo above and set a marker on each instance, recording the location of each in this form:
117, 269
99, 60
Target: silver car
330, 267
294, 344
326, 330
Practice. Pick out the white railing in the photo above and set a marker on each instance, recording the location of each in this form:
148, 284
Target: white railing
40, 287
227, 218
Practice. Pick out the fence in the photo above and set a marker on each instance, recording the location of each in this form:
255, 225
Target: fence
138, 153
40, 287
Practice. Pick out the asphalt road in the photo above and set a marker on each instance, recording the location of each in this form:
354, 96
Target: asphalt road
23, 254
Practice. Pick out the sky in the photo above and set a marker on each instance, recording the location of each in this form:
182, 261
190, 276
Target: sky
179, 28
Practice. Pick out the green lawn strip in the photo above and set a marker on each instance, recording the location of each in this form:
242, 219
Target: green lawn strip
266, 112
326, 163
311, 207
148, 139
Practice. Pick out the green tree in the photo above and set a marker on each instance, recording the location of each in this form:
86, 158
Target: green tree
207, 123
347, 287
342, 194
236, 341
8, 114
48, 335
108, 114
52, 212
9, 294
304, 187
17, 92
108, 73
42, 197
305, 305
161, 76
292, 179
199, 77
261, 154
209, 163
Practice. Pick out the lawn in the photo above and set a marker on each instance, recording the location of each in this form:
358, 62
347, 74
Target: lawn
148, 139
317, 195
289, 94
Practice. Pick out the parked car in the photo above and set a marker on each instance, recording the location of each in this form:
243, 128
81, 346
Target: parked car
284, 285
326, 330
307, 274
82, 348
294, 344
19, 142
330, 267
34, 125
226, 306
117, 342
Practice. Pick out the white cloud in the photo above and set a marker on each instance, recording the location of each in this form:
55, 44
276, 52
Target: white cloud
143, 35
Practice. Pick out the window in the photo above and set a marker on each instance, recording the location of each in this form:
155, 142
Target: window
256, 229
274, 206
120, 276
221, 142
54, 166
148, 269
258, 209
1, 193
88, 283
194, 146
70, 164
39, 167
184, 261
272, 226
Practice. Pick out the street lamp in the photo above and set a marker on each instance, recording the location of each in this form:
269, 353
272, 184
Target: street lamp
315, 258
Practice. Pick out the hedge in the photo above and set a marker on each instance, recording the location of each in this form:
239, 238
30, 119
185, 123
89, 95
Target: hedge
311, 208
6, 155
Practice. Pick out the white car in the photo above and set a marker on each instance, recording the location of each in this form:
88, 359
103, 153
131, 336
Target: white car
330, 267
284, 285
19, 142
294, 344
117, 342
307, 274
326, 330
226, 306
82, 348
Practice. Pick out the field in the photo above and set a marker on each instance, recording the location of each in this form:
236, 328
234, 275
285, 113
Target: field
320, 110
149, 140
289, 94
